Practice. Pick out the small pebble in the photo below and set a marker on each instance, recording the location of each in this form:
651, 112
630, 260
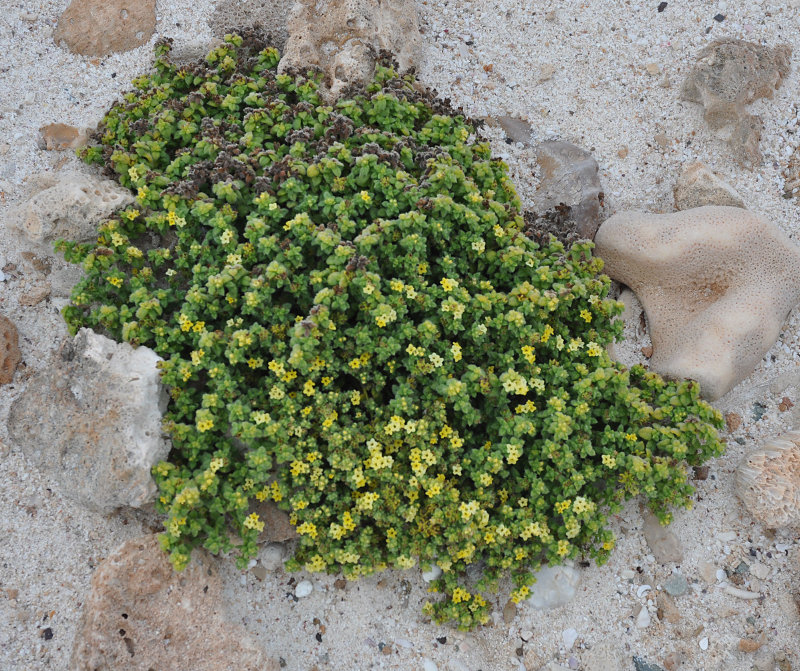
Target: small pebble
569, 636
740, 593
704, 643
760, 571
259, 572
707, 571
721, 575
272, 557
572, 663
433, 574
303, 589
403, 643
628, 574
653, 69
526, 635
661, 7
719, 18
676, 585
429, 665
643, 665
643, 589
643, 619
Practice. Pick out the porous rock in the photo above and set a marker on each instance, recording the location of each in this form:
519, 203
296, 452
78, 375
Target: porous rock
142, 615
568, 175
92, 421
101, 27
9, 350
343, 37
68, 206
716, 284
270, 15
728, 75
698, 186
768, 481
554, 586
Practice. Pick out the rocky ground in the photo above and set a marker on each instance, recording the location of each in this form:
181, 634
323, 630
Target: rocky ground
716, 591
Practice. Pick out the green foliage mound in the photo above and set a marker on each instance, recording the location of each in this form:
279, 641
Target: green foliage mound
356, 326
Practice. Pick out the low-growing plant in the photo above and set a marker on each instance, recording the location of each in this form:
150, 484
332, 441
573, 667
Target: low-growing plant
355, 325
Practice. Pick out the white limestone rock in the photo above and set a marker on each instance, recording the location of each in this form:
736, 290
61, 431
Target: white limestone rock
92, 421
554, 586
68, 206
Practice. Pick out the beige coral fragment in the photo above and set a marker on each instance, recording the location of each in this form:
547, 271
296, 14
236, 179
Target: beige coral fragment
715, 282
768, 481
343, 38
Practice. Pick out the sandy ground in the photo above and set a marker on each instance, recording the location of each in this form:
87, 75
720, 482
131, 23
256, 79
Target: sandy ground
600, 96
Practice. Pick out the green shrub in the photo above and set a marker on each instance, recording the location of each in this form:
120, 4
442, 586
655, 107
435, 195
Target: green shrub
356, 326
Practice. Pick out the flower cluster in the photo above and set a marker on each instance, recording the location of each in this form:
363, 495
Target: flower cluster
355, 326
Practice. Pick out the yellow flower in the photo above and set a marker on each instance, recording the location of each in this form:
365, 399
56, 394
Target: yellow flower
252, 522
116, 281
609, 461
205, 425
308, 388
364, 195
448, 284
586, 315
460, 595
593, 349
455, 349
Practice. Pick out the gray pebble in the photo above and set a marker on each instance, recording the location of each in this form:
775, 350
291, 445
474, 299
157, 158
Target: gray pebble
676, 585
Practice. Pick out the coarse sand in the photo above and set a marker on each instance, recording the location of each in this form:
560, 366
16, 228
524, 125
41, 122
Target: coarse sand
576, 71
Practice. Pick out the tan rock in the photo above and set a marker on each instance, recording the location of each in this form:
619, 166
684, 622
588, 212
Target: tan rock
141, 615
569, 175
663, 543
768, 481
35, 295
716, 284
59, 136
698, 186
9, 350
277, 527
728, 75
101, 27
342, 37
733, 421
